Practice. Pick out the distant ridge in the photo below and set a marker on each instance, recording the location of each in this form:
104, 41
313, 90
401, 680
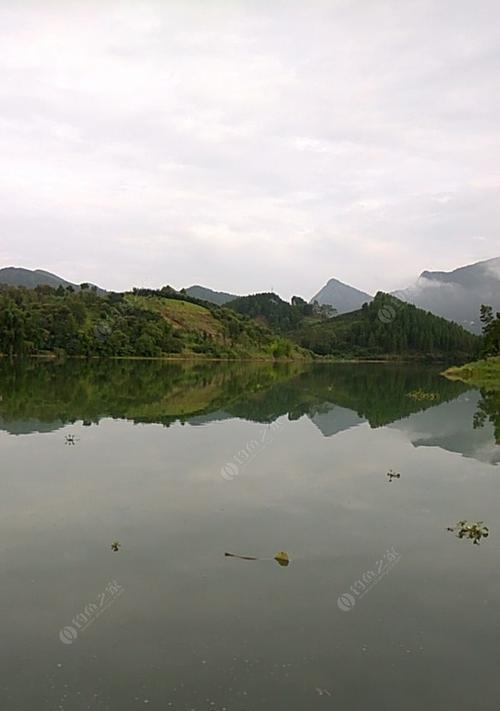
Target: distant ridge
31, 278
457, 295
214, 297
343, 297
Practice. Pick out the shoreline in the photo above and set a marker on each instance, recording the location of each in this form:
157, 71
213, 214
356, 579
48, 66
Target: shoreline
389, 360
483, 373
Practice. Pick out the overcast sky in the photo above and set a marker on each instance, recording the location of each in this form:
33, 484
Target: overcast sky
249, 145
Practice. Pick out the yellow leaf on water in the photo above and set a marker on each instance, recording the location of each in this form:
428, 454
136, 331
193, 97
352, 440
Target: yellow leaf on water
282, 558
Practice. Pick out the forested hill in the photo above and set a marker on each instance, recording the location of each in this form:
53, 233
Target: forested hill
143, 323
270, 310
389, 326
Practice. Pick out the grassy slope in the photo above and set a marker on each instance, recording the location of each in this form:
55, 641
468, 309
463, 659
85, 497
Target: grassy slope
182, 315
192, 320
484, 373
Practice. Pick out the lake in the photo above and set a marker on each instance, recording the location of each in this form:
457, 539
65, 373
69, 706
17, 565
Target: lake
380, 608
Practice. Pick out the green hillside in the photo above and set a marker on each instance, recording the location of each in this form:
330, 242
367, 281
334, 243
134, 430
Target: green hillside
388, 326
269, 309
144, 323
384, 327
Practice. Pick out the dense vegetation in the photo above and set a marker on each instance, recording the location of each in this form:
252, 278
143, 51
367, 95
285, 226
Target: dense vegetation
271, 310
384, 327
156, 323
491, 331
485, 372
389, 326
144, 323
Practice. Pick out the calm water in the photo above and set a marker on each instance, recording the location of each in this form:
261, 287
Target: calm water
381, 607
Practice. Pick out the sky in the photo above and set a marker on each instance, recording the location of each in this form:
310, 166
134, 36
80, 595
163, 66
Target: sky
249, 145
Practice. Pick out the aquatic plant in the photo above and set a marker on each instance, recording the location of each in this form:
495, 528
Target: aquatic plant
393, 475
422, 395
473, 531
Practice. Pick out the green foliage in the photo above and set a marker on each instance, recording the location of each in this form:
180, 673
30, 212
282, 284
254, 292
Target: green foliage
146, 323
271, 310
285, 318
388, 326
491, 331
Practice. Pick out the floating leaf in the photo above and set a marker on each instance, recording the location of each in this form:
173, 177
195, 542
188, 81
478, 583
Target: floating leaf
116, 545
282, 558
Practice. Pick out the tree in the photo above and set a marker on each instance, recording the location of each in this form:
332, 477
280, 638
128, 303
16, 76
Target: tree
491, 331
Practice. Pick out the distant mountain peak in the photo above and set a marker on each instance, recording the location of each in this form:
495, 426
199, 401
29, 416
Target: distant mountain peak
343, 297
205, 294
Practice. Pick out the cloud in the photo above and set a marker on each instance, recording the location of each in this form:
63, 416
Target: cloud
245, 144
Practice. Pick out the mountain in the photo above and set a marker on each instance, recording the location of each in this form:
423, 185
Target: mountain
17, 276
388, 326
343, 297
206, 294
457, 295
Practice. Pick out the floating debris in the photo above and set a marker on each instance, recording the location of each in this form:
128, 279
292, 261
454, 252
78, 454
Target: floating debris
241, 557
473, 531
281, 557
116, 545
393, 475
71, 439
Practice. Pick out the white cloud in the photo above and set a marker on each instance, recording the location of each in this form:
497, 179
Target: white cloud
244, 144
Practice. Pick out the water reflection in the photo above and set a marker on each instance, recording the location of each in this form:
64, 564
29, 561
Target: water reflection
45, 396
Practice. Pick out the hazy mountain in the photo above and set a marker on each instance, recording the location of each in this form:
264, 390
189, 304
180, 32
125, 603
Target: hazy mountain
458, 295
214, 297
17, 276
343, 297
